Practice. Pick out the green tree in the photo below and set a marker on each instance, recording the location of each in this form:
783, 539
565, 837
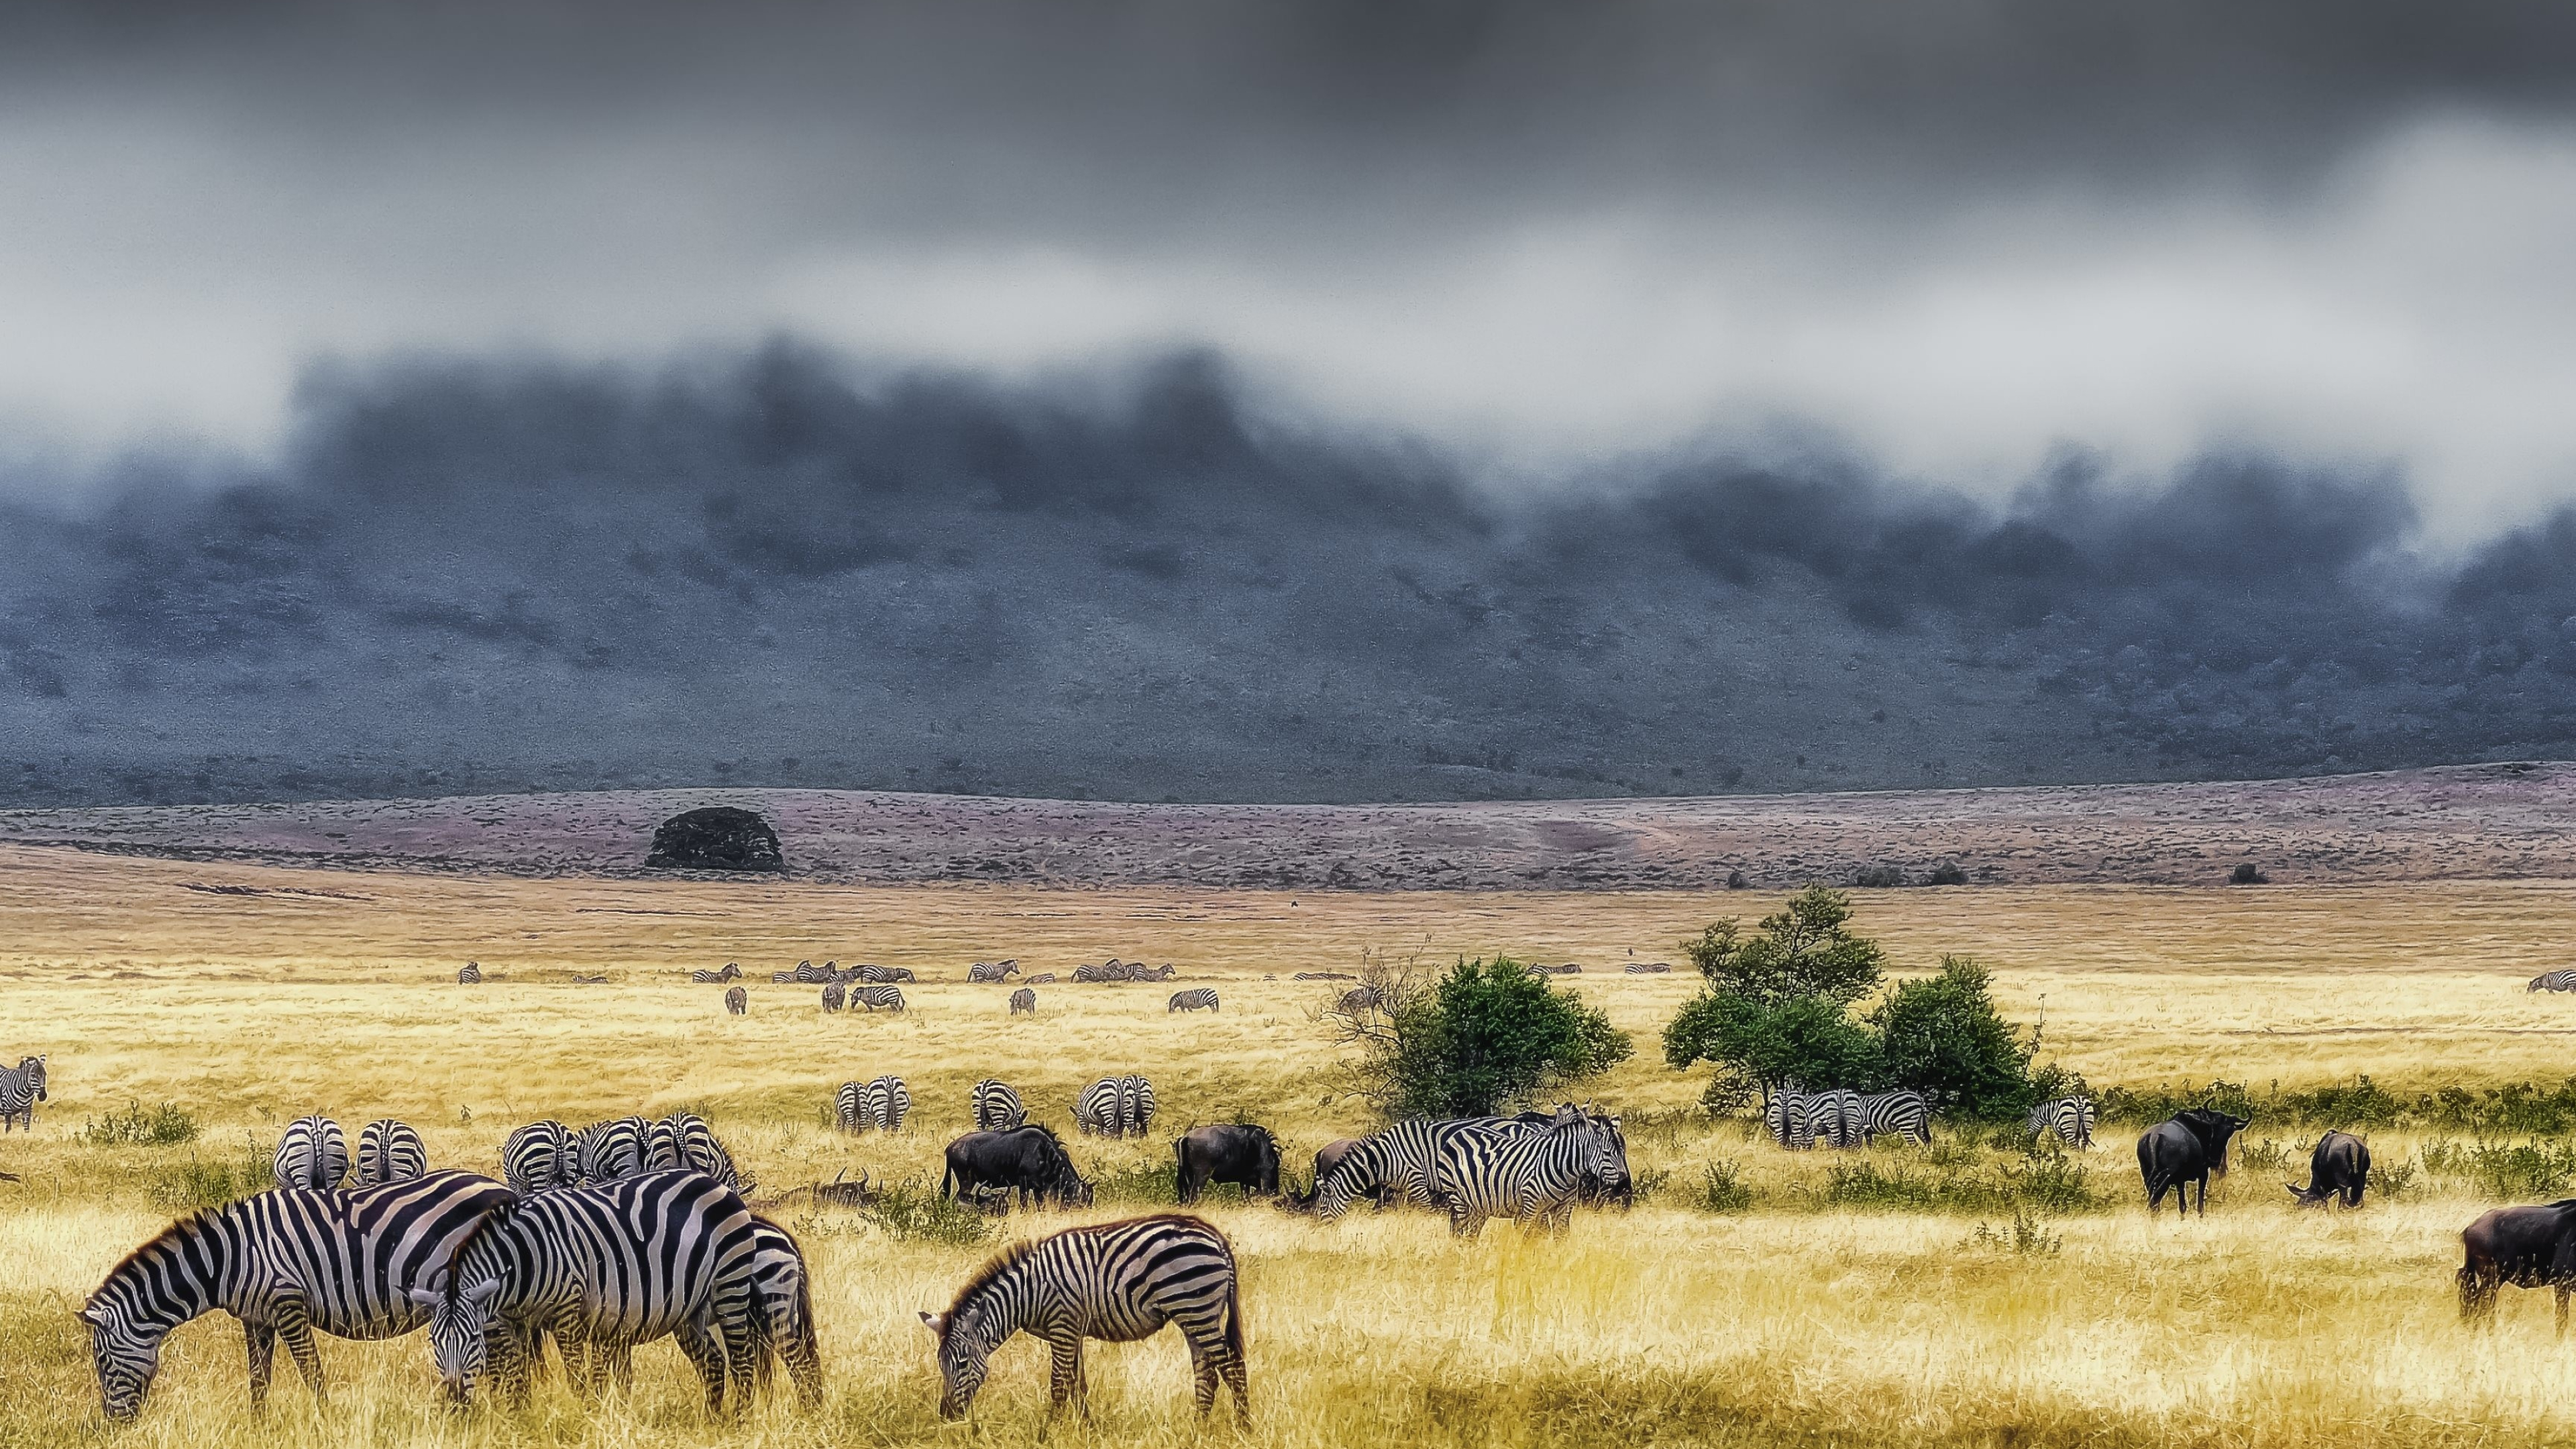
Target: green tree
1483, 1036
1777, 1003
1943, 1037
1803, 949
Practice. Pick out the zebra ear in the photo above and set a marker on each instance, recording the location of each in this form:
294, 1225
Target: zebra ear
936, 1322
481, 1293
93, 1316
425, 1297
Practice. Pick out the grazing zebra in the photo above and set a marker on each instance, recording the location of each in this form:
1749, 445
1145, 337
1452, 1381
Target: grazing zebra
610, 1150
1095, 1109
390, 1151
470, 974
1533, 1175
1024, 1002
684, 1139
1648, 968
1787, 1117
284, 1264
2071, 1118
311, 1154
1359, 999
1116, 1282
889, 1101
999, 1109
1135, 1106
737, 1001
988, 971
850, 1107
884, 974
2553, 981
540, 1157
872, 997
1197, 998
21, 1088
731, 972
602, 1268
1110, 970
1043, 978
809, 974
1323, 976
1833, 1117
782, 1314
782, 978
834, 995
1396, 1162
1904, 1112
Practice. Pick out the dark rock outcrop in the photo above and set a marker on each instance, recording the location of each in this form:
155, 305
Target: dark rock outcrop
718, 837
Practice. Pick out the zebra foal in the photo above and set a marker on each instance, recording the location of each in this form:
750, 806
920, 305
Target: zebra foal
1116, 1282
285, 1264
21, 1088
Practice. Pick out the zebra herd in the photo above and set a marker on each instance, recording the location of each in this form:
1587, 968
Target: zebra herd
1532, 1168
1114, 969
829, 973
1799, 1119
880, 1105
869, 998
21, 1088
545, 1156
1115, 1107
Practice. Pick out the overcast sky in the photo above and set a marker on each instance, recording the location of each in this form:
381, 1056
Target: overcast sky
1955, 237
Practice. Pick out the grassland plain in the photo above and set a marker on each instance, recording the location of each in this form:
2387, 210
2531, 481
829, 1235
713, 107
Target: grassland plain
1793, 1320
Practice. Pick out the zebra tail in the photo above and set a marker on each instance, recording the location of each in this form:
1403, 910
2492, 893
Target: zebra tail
1234, 1313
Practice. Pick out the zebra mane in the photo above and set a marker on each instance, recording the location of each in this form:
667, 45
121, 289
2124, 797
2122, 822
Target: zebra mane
984, 1277
169, 1240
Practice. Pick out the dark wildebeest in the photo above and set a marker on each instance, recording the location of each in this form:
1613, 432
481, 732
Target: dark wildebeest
1029, 1160
1242, 1154
2186, 1148
2523, 1246
2340, 1167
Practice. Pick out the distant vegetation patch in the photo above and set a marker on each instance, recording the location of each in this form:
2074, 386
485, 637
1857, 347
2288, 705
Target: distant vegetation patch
2535, 1109
212, 1182
918, 1211
159, 1125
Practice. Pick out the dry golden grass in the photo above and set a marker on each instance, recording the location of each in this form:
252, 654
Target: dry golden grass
2259, 1326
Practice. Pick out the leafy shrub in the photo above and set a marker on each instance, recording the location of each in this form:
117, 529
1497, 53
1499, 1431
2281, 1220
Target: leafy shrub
160, 1125
2266, 1155
916, 1210
2025, 1235
1143, 1181
1482, 1036
1722, 1188
1878, 877
1777, 1003
2045, 1185
2247, 873
1943, 1037
2392, 1179
2530, 1109
2519, 1170
202, 1182
1947, 873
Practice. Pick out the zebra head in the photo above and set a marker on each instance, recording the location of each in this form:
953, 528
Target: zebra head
460, 1325
127, 1354
967, 1339
34, 1067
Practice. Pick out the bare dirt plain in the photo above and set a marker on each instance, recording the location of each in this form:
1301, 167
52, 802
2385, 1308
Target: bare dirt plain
2471, 822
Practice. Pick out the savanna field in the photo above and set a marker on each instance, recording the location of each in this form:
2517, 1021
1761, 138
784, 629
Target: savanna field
1964, 1294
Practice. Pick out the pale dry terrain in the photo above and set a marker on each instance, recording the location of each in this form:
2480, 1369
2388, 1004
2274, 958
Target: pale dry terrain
301, 989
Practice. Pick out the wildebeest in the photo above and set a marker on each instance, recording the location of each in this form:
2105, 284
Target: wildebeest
1029, 1160
2189, 1147
2340, 1167
2523, 1246
1240, 1153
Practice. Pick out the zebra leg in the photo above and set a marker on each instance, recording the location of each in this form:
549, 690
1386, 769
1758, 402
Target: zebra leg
1203, 1373
746, 1352
261, 1340
1065, 1379
297, 1329
706, 1353
805, 1365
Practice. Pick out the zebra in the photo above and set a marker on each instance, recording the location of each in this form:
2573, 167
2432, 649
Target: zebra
2553, 981
684, 1139
1534, 1175
1095, 1109
872, 997
1903, 1112
834, 995
1110, 970
470, 974
283, 1263
885, 975
850, 1107
1648, 968
889, 1101
610, 1150
990, 971
1402, 1161
809, 974
312, 1154
999, 1109
1164, 972
390, 1151
1197, 998
1024, 1002
21, 1088
540, 1157
1135, 1106
1834, 1118
1116, 1282
782, 1315
602, 1268
1359, 999
737, 1001
731, 972
2071, 1118
782, 978
1043, 978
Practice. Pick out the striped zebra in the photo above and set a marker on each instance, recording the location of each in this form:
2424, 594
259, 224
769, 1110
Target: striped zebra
872, 997
1535, 1174
1399, 1162
283, 1263
992, 971
998, 1108
1164, 972
1116, 1282
684, 1139
1197, 998
21, 1088
731, 972
610, 1150
1648, 968
311, 1154
2071, 1118
737, 1001
2553, 981
885, 975
809, 974
540, 1157
602, 1268
470, 974
1043, 978
889, 1101
782, 978
1135, 1106
1095, 1109
1903, 1112
850, 1107
782, 1314
1024, 1002
834, 995
390, 1151
1112, 969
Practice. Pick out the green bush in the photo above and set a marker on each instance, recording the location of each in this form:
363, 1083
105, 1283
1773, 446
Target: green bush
2054, 1186
161, 1125
1943, 1037
2519, 1170
1485, 1035
1722, 1188
1145, 1181
202, 1182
